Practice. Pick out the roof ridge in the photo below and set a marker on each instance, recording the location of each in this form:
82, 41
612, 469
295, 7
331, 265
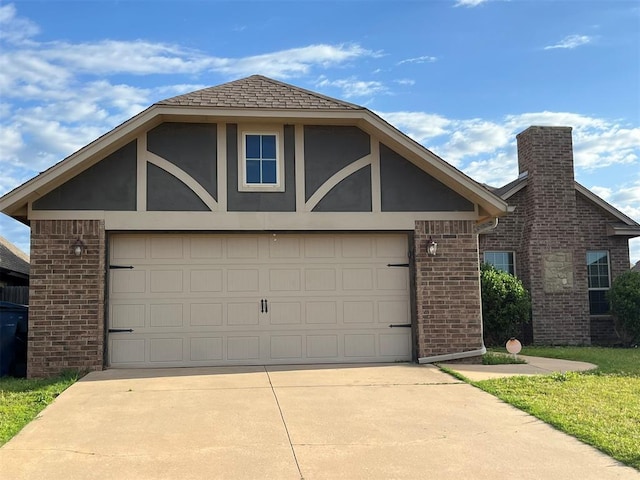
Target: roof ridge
258, 91
308, 92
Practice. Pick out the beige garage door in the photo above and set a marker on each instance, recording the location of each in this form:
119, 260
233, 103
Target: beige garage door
195, 299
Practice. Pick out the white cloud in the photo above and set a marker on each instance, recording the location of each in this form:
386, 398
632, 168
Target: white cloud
469, 3
14, 29
486, 150
570, 41
295, 61
58, 96
352, 87
626, 198
422, 59
420, 126
405, 81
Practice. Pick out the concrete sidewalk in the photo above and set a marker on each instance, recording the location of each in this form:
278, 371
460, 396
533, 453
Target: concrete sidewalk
400, 421
534, 366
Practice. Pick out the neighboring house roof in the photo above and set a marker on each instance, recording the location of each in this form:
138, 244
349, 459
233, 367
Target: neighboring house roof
627, 226
636, 267
12, 259
254, 98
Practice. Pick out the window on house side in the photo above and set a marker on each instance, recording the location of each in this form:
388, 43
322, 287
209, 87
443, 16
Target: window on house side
261, 159
598, 276
501, 260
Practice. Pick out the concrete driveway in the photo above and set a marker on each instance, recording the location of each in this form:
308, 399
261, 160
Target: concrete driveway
311, 422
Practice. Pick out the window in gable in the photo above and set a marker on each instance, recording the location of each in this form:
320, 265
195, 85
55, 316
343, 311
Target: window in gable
261, 164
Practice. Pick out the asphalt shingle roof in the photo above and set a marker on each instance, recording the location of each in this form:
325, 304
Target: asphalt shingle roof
257, 91
12, 259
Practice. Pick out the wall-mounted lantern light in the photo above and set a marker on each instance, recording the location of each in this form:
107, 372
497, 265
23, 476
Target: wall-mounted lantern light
432, 247
78, 247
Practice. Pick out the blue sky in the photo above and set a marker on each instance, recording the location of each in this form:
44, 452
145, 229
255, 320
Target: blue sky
461, 77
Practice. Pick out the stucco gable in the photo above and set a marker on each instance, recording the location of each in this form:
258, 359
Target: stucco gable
253, 99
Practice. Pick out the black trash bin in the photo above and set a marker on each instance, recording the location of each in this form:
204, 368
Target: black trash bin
13, 339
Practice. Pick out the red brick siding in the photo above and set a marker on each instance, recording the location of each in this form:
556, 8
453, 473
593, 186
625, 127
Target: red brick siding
449, 315
66, 297
593, 222
551, 216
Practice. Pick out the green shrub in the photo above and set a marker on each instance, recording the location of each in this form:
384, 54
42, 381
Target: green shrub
505, 305
624, 300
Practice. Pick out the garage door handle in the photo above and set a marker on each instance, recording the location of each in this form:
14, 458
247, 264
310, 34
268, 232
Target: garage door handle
266, 306
401, 325
262, 306
118, 330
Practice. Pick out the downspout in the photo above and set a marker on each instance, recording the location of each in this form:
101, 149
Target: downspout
453, 356
471, 353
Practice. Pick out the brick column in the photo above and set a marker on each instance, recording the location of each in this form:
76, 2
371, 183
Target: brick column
555, 250
66, 297
449, 312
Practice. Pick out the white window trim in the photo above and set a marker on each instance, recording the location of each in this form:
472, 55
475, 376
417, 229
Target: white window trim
513, 253
243, 131
601, 289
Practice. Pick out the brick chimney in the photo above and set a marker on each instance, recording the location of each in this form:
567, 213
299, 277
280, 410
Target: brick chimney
555, 253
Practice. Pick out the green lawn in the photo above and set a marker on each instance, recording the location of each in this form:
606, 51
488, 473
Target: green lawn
21, 400
601, 407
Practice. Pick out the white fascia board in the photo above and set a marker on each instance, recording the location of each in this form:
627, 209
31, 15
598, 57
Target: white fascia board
156, 114
442, 170
16, 198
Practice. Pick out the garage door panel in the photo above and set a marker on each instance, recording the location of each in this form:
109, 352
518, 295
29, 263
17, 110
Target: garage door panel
128, 281
319, 247
394, 345
165, 281
393, 312
358, 311
206, 281
243, 280
205, 247
128, 247
356, 247
322, 346
127, 315
391, 247
320, 279
284, 280
165, 247
127, 350
166, 315
283, 247
243, 348
243, 314
330, 298
285, 313
357, 279
286, 347
321, 312
360, 345
392, 278
205, 314
166, 350
242, 247
206, 348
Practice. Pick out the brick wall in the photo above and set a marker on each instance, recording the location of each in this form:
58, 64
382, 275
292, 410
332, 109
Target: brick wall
555, 249
593, 223
449, 314
66, 305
